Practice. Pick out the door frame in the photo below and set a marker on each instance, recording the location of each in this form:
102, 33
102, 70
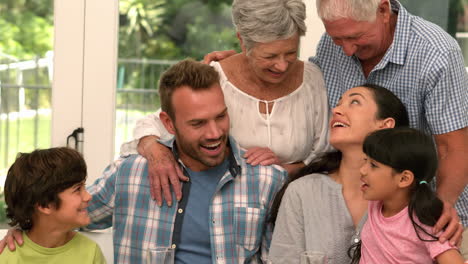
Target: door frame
83, 87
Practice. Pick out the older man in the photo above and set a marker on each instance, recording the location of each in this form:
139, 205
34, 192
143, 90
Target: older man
378, 41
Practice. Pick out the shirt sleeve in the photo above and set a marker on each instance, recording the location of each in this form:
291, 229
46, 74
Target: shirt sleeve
446, 103
101, 207
321, 126
288, 237
320, 46
434, 248
268, 231
149, 125
99, 256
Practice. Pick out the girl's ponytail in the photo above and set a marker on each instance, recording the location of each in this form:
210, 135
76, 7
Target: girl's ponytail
426, 206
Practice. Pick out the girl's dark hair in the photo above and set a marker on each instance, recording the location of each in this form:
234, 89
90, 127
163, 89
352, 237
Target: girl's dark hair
409, 149
36, 179
388, 105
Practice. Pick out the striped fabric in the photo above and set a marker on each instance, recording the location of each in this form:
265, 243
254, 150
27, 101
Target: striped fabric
238, 233
424, 67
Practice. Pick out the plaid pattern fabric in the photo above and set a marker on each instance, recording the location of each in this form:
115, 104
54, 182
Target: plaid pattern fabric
424, 67
238, 233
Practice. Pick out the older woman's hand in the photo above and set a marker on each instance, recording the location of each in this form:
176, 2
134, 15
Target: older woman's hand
218, 55
163, 170
262, 156
453, 231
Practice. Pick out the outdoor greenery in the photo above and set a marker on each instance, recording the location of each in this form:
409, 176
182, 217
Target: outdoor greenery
26, 28
169, 30
24, 134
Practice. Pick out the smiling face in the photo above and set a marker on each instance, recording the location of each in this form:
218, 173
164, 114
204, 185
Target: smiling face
379, 181
201, 126
271, 62
366, 40
354, 117
72, 212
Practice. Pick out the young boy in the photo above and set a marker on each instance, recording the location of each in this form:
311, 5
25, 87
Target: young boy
46, 196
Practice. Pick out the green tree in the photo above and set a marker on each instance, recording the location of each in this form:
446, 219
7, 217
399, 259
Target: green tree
26, 28
170, 30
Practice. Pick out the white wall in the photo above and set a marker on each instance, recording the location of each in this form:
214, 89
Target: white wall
315, 30
85, 63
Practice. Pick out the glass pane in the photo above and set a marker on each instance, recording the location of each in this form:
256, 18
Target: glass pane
451, 15
26, 28
154, 34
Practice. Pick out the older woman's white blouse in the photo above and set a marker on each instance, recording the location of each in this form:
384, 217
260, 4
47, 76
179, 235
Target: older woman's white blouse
295, 130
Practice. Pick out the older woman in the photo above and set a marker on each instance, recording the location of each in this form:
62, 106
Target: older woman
277, 104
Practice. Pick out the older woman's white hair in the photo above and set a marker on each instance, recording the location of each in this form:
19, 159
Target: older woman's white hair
268, 20
359, 10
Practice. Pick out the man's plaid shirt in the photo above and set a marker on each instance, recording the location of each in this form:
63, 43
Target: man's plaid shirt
238, 211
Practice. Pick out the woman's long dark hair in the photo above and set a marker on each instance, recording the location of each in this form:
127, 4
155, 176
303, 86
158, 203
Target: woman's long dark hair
388, 105
409, 149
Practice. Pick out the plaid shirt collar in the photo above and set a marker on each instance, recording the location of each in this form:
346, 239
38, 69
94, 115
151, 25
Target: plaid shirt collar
399, 48
234, 167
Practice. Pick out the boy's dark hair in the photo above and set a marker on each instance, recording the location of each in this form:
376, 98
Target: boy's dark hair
409, 149
190, 73
388, 105
36, 179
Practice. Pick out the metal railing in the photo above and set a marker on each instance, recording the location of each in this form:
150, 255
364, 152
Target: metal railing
25, 101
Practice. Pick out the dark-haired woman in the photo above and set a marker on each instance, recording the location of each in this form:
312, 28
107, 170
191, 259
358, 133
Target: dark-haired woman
323, 209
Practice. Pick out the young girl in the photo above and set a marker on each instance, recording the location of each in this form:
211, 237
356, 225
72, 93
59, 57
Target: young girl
400, 164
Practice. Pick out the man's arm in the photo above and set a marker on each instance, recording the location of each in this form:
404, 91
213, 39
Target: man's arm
163, 170
101, 206
452, 177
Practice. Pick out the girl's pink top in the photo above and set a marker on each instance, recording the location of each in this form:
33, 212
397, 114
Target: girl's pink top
394, 240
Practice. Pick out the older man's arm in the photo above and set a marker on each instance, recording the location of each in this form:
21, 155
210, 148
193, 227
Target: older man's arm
452, 178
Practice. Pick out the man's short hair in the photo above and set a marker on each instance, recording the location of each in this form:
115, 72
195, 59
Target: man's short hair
190, 73
36, 179
359, 10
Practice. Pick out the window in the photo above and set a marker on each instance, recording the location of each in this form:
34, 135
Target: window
26, 37
154, 35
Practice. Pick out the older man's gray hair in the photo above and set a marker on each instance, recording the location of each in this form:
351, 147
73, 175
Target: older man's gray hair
359, 10
268, 20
